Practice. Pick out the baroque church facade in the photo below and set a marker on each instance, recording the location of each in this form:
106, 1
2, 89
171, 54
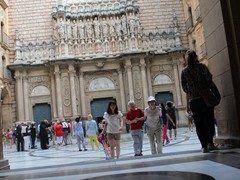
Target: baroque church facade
71, 57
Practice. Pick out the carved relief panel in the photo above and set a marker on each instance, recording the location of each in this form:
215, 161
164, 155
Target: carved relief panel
66, 94
137, 85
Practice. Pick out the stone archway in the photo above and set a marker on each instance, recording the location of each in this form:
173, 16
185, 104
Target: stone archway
6, 118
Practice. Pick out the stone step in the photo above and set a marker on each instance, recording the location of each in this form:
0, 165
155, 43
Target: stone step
4, 164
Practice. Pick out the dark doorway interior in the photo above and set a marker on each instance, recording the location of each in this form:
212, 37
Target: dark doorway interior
99, 106
163, 97
42, 111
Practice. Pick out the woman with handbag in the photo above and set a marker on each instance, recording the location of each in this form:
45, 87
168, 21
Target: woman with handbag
196, 81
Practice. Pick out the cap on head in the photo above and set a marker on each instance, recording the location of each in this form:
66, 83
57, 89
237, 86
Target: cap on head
131, 102
151, 98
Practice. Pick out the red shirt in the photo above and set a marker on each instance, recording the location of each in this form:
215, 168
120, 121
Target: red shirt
58, 130
131, 115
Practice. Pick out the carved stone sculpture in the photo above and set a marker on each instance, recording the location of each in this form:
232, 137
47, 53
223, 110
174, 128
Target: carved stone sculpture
112, 26
74, 30
118, 26
81, 29
61, 29
105, 27
124, 24
69, 29
97, 28
89, 29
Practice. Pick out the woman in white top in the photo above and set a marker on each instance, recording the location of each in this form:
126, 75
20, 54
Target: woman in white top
113, 127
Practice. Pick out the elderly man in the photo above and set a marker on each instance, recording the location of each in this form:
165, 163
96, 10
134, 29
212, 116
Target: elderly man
154, 123
134, 117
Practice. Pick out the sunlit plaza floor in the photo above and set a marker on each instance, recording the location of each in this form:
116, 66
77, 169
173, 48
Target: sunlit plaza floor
181, 159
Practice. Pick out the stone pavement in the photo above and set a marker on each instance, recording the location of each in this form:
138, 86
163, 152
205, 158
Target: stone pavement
56, 155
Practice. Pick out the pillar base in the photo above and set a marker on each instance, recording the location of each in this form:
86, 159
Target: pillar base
4, 164
228, 141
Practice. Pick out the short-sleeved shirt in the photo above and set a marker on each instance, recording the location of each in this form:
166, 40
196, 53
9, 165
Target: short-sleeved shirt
153, 117
131, 115
113, 122
91, 127
78, 129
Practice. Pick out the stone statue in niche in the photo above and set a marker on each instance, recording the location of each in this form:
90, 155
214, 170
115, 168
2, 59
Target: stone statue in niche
55, 30
131, 23
124, 24
118, 26
81, 29
89, 29
69, 29
97, 28
105, 27
74, 30
61, 29
112, 26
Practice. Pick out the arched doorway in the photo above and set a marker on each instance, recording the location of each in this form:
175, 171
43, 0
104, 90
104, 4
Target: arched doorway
6, 117
41, 111
163, 97
99, 106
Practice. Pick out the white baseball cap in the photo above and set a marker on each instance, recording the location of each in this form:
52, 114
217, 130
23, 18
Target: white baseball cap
151, 98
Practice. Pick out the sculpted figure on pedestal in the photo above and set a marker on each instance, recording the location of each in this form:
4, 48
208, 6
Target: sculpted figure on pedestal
105, 27
118, 26
81, 29
74, 29
131, 23
97, 28
124, 24
55, 30
89, 29
69, 29
112, 26
61, 29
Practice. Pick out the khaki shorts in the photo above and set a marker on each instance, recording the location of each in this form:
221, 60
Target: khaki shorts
111, 136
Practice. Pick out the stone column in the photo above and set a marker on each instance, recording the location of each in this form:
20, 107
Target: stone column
58, 91
150, 90
122, 89
73, 91
26, 97
177, 85
144, 81
128, 66
20, 105
4, 164
82, 94
54, 105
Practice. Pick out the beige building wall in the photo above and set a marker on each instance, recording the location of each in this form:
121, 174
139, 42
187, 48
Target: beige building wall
221, 21
195, 29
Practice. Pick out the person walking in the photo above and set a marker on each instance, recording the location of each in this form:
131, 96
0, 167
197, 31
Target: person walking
172, 124
33, 134
65, 132
113, 127
153, 116
92, 131
19, 136
44, 134
195, 78
58, 130
134, 117
79, 133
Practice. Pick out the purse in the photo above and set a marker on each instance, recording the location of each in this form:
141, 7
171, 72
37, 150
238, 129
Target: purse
210, 95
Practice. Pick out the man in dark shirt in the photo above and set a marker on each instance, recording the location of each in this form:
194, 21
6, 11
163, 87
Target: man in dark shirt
19, 136
44, 134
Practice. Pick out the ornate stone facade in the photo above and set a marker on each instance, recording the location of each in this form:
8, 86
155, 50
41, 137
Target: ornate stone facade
98, 50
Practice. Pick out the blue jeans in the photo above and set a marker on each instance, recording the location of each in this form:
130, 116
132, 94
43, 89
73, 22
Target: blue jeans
204, 121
